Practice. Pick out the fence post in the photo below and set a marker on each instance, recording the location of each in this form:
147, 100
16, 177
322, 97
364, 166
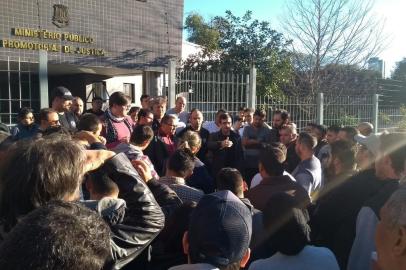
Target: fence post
320, 108
252, 91
172, 83
43, 79
247, 90
375, 111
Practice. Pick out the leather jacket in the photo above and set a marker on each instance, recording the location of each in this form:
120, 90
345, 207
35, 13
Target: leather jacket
143, 218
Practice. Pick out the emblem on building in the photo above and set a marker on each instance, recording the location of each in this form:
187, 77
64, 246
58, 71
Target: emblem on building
61, 16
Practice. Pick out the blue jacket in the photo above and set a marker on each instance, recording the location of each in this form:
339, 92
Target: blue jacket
201, 178
24, 132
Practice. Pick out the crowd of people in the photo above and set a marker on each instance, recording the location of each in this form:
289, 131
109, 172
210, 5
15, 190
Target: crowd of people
150, 188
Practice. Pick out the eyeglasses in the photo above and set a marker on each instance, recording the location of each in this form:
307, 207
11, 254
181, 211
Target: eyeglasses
55, 122
173, 126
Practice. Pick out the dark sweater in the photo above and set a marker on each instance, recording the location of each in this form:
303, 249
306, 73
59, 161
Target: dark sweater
260, 194
292, 159
225, 157
334, 220
201, 178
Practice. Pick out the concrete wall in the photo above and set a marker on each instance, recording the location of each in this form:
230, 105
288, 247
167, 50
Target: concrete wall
132, 34
117, 84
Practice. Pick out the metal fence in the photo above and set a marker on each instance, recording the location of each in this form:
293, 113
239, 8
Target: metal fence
391, 117
302, 111
19, 88
209, 92
336, 110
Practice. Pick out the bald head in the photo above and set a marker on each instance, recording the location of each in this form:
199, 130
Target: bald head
77, 106
180, 104
365, 128
389, 234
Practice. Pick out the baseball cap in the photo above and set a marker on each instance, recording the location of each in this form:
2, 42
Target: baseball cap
220, 229
371, 142
62, 92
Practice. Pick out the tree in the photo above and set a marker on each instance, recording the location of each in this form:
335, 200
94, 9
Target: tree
400, 71
337, 80
338, 32
236, 43
202, 33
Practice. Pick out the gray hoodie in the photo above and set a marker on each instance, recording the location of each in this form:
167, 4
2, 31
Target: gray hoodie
134, 153
112, 210
129, 150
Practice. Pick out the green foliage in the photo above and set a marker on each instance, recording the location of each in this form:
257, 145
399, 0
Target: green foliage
400, 71
384, 118
402, 123
348, 120
343, 120
240, 42
338, 80
202, 33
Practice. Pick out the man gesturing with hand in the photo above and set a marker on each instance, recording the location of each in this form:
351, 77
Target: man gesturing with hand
225, 146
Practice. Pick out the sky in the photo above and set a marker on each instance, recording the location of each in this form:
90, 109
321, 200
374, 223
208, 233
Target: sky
391, 11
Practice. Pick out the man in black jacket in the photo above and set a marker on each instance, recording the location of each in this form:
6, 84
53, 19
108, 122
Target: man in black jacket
55, 173
225, 146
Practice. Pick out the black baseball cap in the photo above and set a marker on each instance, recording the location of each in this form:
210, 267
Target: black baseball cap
220, 229
62, 92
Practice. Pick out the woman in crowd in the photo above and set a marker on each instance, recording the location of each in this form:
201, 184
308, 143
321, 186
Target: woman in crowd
200, 178
133, 113
117, 125
26, 128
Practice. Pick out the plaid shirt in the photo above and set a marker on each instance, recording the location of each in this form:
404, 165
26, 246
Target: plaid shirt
184, 192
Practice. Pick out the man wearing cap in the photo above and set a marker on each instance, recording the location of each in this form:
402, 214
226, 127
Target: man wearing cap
334, 217
61, 103
219, 233
389, 168
368, 150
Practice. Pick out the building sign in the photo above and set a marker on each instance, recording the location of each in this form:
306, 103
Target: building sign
45, 34
45, 37
61, 16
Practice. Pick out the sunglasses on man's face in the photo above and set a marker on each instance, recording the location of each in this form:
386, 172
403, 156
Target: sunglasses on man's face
173, 126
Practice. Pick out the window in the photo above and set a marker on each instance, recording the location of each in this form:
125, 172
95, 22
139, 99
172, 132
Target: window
129, 90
